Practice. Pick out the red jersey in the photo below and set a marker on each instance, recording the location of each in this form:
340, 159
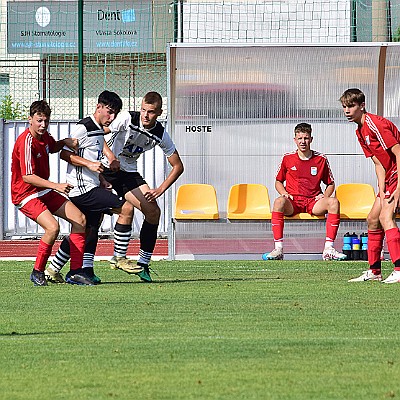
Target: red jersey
30, 156
376, 137
304, 177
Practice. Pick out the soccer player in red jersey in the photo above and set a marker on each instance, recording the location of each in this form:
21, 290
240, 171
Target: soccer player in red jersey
380, 140
298, 181
38, 198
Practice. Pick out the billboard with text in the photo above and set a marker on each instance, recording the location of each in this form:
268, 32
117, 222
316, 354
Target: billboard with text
52, 27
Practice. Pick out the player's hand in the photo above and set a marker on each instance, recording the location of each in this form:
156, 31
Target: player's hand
96, 166
64, 188
115, 165
287, 196
319, 197
152, 194
395, 197
104, 183
72, 143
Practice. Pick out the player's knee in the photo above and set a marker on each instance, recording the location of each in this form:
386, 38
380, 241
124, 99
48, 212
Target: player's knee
385, 220
152, 214
333, 205
279, 204
373, 222
79, 223
53, 230
81, 220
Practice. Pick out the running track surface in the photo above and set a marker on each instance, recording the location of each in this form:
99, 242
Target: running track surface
28, 248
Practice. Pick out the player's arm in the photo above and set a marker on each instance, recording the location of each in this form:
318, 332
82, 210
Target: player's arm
112, 159
72, 143
120, 124
77, 161
395, 196
176, 171
280, 188
380, 174
329, 190
39, 182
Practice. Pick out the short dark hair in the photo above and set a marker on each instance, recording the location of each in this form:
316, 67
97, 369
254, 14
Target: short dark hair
303, 128
153, 98
351, 96
110, 99
40, 107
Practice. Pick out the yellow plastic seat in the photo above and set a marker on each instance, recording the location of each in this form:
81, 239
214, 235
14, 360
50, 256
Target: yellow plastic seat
248, 201
356, 200
196, 201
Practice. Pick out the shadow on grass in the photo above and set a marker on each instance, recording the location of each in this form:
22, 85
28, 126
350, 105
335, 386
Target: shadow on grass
13, 333
166, 281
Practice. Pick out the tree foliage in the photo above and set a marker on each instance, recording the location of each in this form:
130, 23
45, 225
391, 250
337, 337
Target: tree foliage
12, 110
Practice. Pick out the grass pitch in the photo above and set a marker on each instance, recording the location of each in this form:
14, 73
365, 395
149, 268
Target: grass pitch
203, 330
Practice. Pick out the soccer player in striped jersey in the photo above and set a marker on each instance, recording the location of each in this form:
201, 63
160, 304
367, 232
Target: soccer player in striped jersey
298, 182
84, 174
380, 140
38, 198
131, 134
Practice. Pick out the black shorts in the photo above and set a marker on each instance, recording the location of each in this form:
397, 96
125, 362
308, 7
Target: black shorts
96, 202
122, 181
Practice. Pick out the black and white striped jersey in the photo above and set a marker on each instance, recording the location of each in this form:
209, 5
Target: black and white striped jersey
91, 140
128, 140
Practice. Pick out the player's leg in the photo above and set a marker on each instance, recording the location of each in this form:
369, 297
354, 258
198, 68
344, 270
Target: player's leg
122, 182
92, 237
53, 271
62, 255
93, 204
125, 183
37, 210
122, 237
148, 231
387, 219
376, 235
331, 207
76, 218
51, 229
123, 230
282, 206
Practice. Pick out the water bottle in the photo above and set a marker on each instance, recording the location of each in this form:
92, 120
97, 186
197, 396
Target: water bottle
364, 246
347, 245
355, 247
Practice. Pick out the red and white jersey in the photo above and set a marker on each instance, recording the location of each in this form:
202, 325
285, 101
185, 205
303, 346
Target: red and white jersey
304, 177
30, 156
377, 136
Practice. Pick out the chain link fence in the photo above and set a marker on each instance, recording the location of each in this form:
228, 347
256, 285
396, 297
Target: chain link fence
123, 43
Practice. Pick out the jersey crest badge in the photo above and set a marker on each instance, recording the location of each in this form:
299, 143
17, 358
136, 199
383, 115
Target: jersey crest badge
314, 171
367, 140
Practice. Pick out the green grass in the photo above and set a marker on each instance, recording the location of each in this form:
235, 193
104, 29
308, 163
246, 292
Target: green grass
204, 330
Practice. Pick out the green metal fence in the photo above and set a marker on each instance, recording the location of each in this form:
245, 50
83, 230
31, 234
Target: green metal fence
69, 51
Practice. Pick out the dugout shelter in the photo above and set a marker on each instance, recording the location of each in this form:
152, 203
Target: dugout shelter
232, 112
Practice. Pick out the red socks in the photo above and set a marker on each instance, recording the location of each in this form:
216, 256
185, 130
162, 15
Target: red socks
332, 226
43, 254
375, 245
393, 244
277, 223
77, 244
